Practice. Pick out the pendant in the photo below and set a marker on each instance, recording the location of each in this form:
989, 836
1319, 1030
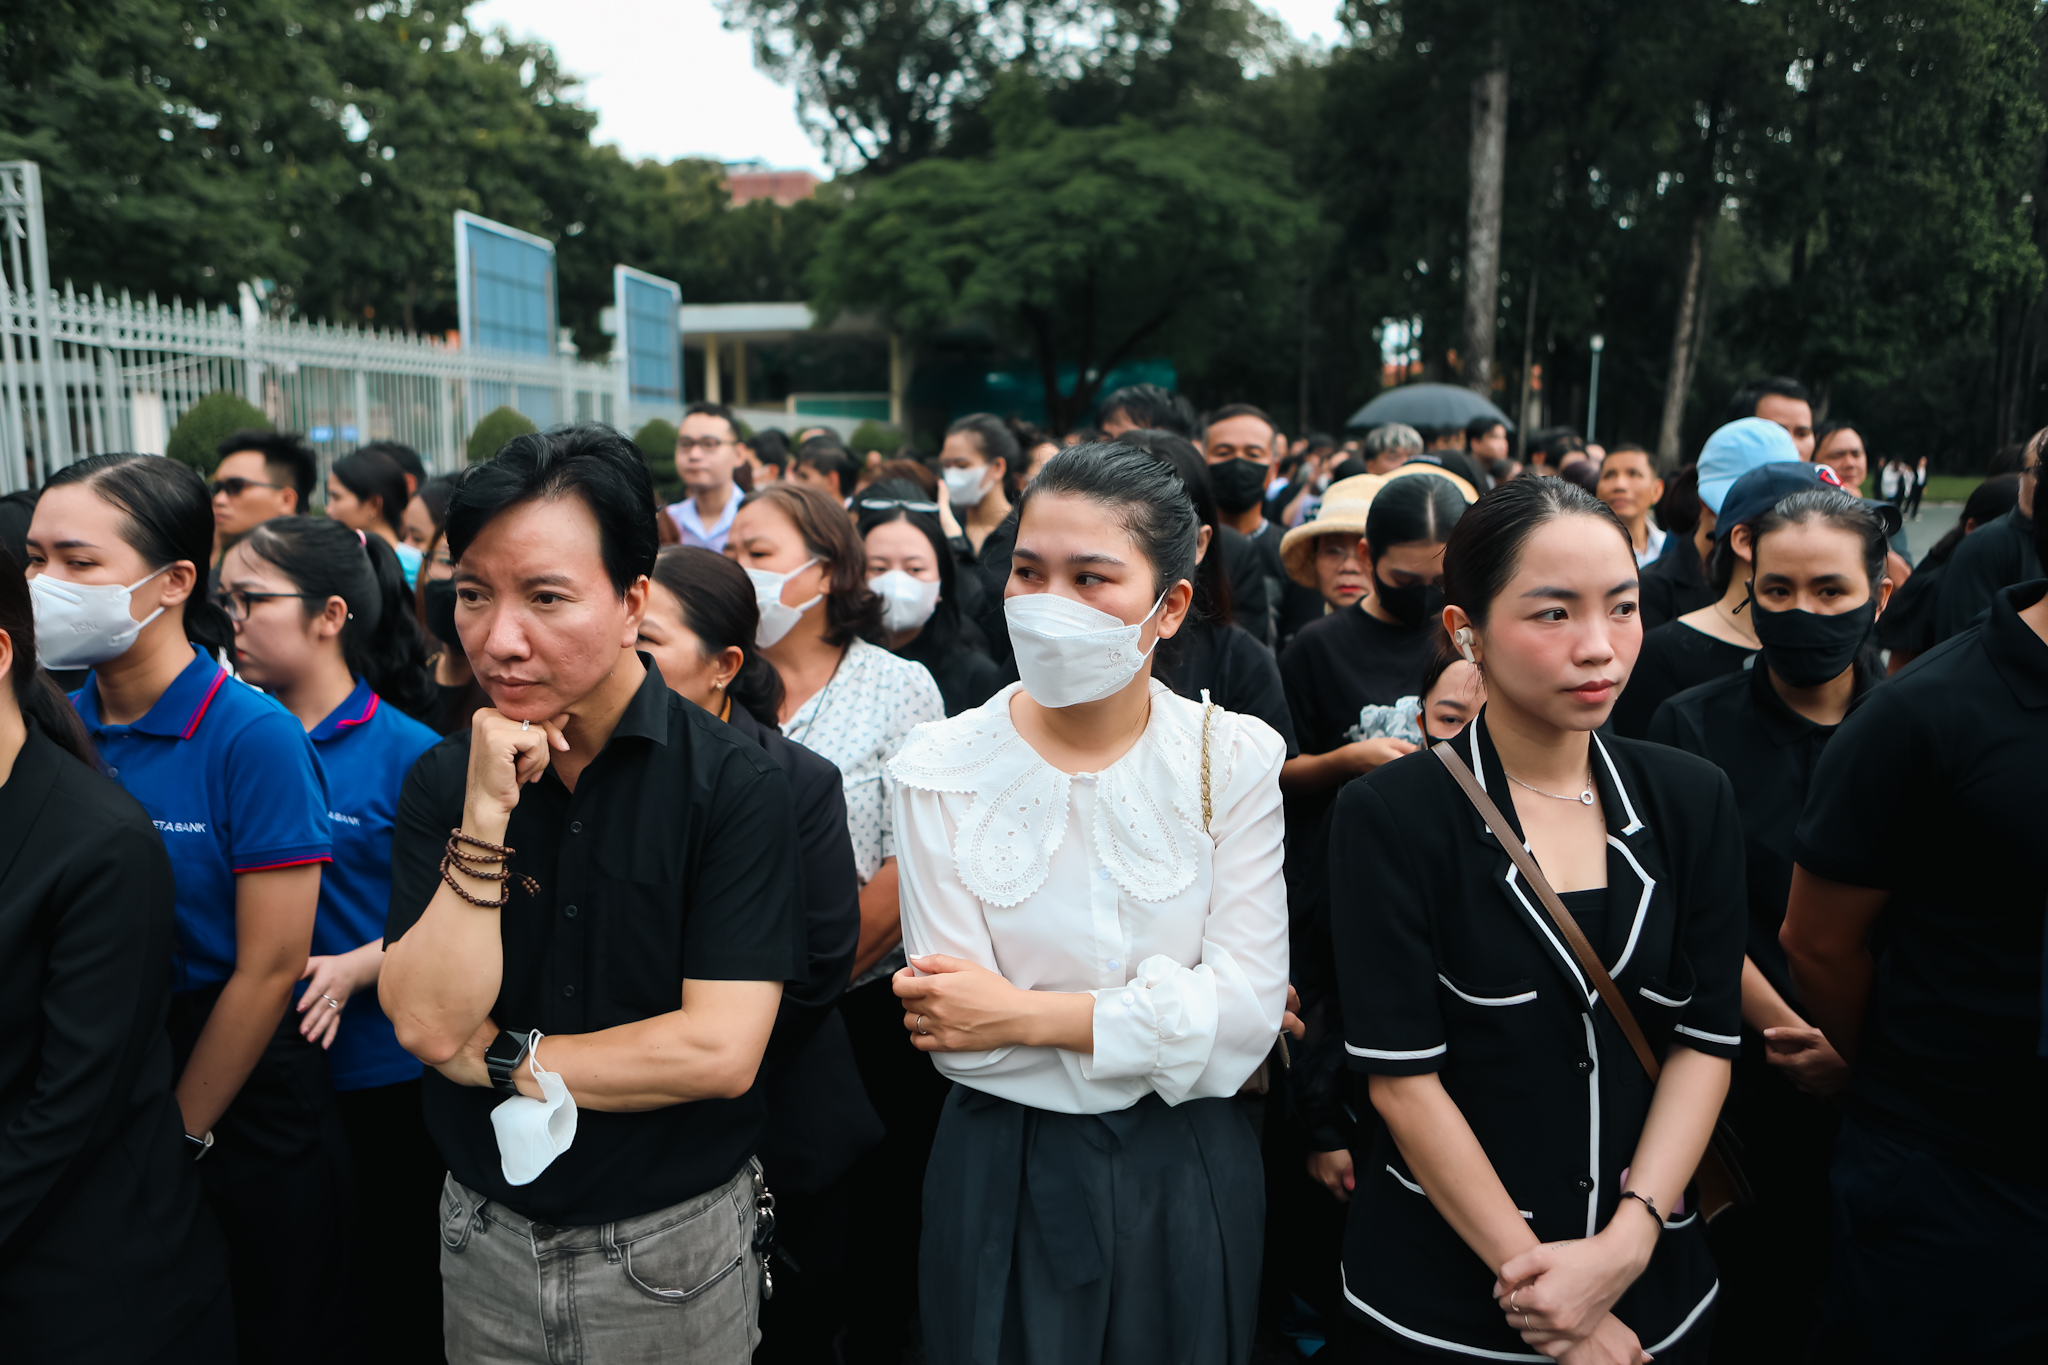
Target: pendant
1586, 797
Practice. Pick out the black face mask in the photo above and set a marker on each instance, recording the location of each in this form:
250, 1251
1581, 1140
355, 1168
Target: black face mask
440, 609
1239, 484
1807, 650
1411, 606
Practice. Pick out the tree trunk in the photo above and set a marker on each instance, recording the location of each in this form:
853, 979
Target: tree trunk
1487, 165
1684, 341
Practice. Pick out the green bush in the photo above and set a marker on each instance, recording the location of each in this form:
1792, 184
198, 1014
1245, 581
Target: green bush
657, 442
873, 435
499, 426
214, 418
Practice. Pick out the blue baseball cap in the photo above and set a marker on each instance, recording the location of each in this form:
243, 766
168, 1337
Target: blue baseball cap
1736, 449
1761, 489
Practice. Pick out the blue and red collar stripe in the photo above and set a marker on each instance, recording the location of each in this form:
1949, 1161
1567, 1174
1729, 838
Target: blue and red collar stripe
199, 712
369, 710
289, 862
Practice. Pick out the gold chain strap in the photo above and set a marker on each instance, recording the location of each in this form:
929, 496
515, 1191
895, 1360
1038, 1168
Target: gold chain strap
1208, 710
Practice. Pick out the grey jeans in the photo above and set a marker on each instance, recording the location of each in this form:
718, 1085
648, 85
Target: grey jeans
680, 1283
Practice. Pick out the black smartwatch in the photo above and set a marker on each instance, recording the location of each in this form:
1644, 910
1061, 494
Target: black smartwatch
502, 1059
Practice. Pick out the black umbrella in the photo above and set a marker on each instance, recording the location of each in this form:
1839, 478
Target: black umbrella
1427, 405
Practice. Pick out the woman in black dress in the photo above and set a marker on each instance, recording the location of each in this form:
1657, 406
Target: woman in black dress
97, 1187
911, 568
1530, 1193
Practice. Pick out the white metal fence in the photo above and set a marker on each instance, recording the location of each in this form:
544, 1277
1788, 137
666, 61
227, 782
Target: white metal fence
84, 374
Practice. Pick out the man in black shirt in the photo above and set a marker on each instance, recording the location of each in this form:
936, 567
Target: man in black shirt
1996, 555
632, 941
1914, 933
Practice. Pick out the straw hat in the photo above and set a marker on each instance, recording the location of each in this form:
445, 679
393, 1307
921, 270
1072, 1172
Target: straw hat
1345, 505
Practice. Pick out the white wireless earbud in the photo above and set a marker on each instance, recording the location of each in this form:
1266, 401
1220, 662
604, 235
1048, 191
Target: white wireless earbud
1462, 637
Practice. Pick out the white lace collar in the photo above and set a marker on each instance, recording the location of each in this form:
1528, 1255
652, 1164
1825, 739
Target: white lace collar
1147, 828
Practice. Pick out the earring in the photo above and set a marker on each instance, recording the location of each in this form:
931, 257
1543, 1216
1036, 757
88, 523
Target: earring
1463, 638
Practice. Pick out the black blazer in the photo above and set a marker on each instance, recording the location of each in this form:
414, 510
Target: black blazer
819, 1118
1447, 964
97, 1185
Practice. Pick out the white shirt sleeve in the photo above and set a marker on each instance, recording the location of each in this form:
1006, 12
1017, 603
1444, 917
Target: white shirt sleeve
1196, 1031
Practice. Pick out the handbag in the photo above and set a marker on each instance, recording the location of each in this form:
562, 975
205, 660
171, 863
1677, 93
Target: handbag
1718, 1183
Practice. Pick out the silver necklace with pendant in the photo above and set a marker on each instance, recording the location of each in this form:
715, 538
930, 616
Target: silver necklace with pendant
1584, 798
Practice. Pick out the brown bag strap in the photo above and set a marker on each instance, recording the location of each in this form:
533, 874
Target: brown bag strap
1589, 961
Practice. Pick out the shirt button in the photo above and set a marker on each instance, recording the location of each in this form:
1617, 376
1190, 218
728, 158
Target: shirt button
1102, 873
571, 990
575, 826
1584, 1183
113, 772
1583, 1066
1114, 964
570, 911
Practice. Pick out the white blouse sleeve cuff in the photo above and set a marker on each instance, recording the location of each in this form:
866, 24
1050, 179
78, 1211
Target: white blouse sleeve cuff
1159, 1027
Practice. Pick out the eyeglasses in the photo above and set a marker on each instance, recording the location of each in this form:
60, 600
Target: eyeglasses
685, 444
235, 602
884, 504
234, 488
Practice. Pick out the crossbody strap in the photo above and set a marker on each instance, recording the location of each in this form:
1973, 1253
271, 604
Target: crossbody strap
1589, 961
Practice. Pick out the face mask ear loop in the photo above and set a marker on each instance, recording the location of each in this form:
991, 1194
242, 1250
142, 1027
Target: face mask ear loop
533, 1053
1748, 596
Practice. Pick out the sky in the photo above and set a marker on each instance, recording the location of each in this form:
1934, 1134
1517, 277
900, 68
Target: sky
668, 80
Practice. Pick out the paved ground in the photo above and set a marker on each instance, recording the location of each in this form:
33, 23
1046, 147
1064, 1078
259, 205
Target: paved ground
1935, 520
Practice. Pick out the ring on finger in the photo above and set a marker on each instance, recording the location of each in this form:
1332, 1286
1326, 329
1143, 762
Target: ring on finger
1511, 1301
332, 1003
921, 1028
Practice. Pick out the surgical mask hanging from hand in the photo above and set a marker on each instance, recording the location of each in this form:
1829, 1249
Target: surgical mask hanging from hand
532, 1133
907, 602
778, 619
82, 625
1068, 653
965, 487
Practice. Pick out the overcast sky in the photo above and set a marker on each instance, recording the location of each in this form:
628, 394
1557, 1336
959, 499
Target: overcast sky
667, 80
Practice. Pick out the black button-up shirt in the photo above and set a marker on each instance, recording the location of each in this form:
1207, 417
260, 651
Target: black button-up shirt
1933, 790
1742, 726
674, 858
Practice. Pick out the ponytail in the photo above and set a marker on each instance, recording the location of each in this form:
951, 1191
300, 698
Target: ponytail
380, 642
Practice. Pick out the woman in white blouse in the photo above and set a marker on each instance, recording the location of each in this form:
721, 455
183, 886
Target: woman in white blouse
1092, 901
854, 703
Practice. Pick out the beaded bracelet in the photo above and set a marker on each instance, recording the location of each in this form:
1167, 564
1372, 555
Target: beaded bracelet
493, 865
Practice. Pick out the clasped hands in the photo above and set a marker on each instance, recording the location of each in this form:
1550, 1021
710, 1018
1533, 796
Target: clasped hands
1560, 1296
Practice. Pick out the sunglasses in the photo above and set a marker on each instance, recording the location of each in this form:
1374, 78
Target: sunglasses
884, 504
234, 488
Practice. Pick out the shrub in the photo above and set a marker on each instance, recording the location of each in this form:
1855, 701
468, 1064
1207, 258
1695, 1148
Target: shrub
657, 442
873, 435
499, 426
207, 423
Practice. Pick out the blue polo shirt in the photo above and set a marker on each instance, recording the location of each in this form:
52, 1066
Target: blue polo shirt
366, 747
230, 779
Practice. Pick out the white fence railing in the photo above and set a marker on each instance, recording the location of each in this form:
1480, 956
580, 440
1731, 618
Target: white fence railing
85, 374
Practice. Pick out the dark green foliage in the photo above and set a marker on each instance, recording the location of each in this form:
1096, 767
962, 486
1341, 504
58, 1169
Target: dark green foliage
873, 435
498, 426
657, 443
214, 418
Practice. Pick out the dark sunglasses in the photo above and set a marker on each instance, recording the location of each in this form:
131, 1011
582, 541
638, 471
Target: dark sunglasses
234, 488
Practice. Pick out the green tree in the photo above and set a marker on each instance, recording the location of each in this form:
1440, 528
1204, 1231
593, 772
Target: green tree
1079, 246
196, 439
498, 426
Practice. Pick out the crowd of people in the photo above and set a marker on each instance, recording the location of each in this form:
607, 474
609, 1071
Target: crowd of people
1102, 899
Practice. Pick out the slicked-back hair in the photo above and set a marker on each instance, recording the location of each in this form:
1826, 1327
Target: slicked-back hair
1149, 405
1415, 509
1829, 507
719, 608
370, 473
1743, 404
286, 458
1143, 492
589, 461
852, 611
1212, 576
1480, 559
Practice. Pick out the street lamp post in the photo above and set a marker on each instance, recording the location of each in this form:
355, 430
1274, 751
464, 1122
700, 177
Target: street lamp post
1599, 344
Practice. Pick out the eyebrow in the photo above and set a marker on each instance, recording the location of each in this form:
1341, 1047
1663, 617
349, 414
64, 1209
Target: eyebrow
1086, 557
1573, 594
70, 545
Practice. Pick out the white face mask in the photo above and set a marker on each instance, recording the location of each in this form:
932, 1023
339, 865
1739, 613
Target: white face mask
907, 602
82, 625
964, 487
1069, 653
778, 620
532, 1133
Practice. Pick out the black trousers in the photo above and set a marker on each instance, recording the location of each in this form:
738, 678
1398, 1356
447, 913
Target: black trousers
1933, 1260
887, 1184
801, 1324
396, 1262
279, 1181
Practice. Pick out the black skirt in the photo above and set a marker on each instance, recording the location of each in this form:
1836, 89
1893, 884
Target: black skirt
1063, 1239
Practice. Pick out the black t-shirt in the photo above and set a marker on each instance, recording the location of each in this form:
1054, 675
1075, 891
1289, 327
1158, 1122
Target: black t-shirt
966, 676
675, 858
1237, 670
1254, 594
1934, 791
1674, 583
1674, 657
1996, 555
1742, 726
1347, 660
